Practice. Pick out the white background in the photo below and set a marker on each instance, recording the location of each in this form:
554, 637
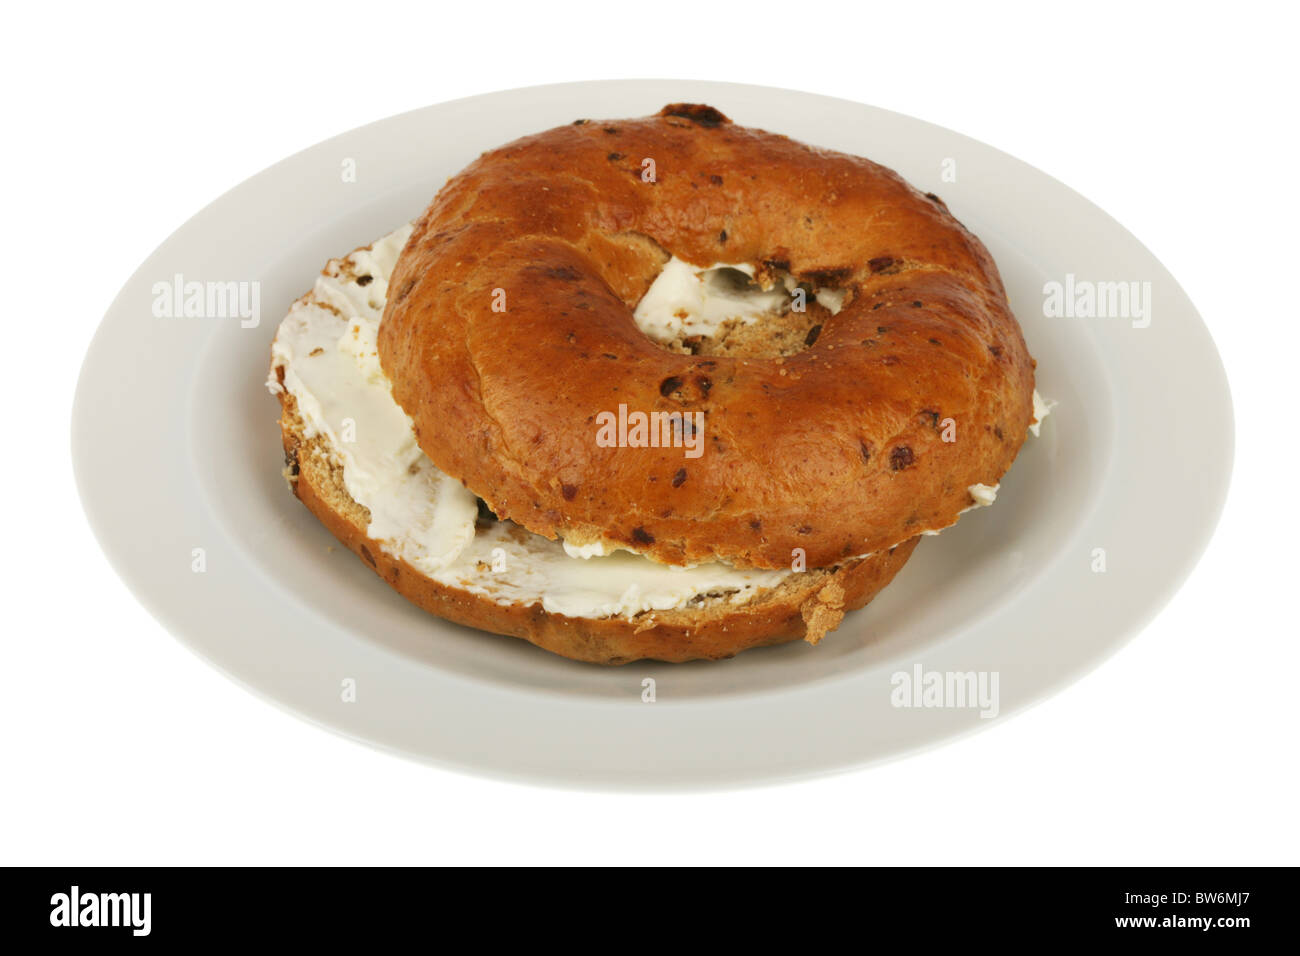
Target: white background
121, 747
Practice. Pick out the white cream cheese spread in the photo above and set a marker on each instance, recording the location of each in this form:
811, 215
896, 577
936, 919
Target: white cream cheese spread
984, 495
689, 300
331, 367
1042, 408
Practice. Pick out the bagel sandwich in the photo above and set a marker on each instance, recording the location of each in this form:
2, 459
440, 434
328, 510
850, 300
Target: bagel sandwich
668, 417
352, 459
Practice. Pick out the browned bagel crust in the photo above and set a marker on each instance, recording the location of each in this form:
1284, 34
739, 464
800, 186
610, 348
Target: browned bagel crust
800, 610
837, 449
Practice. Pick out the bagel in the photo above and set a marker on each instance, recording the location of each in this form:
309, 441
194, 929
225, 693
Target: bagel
351, 458
874, 414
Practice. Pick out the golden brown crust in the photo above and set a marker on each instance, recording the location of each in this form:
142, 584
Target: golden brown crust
838, 449
708, 633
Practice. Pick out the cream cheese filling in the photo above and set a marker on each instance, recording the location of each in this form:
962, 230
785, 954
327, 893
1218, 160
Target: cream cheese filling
687, 300
331, 367
1042, 408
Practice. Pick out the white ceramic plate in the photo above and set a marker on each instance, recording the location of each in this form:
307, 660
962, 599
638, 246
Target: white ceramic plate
176, 448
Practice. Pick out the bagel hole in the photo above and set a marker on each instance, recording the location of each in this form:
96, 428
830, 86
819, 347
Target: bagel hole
727, 310
727, 280
486, 516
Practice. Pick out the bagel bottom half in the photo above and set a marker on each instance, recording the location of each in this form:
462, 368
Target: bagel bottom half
803, 606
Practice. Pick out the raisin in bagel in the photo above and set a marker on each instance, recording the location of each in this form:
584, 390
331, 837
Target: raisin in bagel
837, 449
